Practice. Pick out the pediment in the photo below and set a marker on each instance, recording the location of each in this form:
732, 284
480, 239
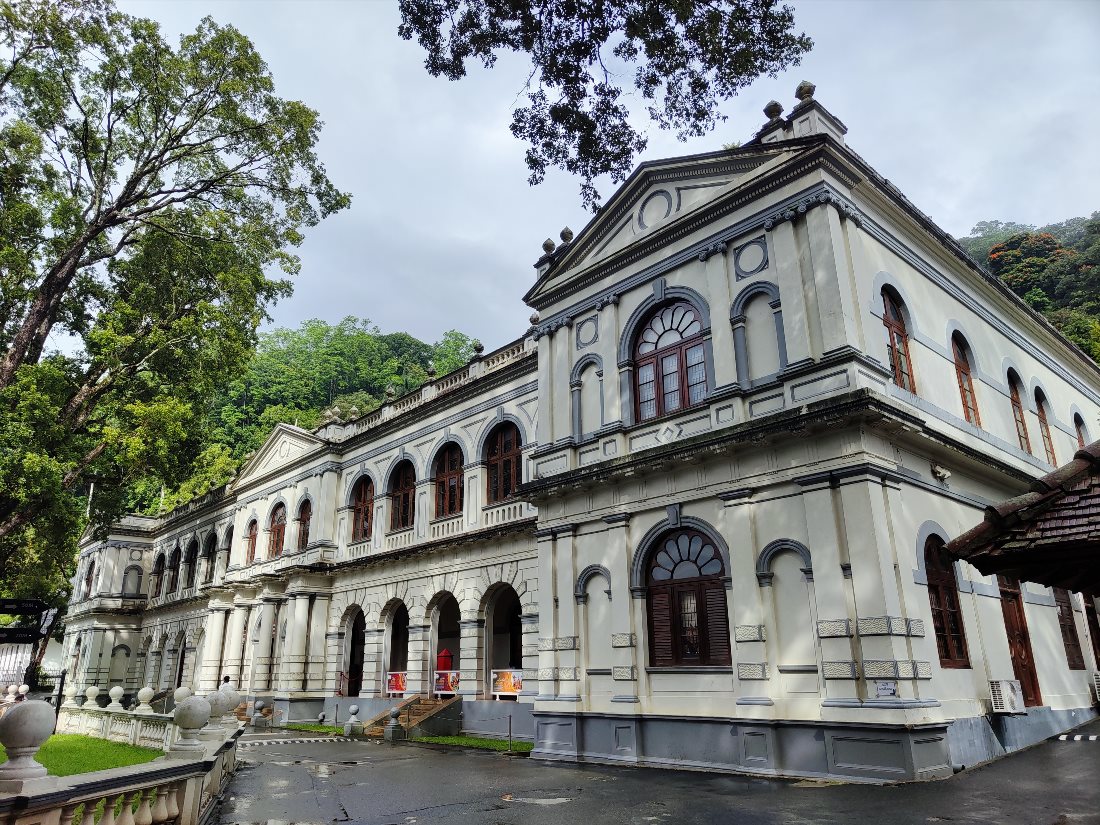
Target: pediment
284, 446
655, 196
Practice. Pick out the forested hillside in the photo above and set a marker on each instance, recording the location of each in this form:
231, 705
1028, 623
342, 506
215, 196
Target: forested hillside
294, 375
1055, 268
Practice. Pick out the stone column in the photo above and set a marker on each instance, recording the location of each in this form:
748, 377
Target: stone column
471, 658
547, 673
211, 665
529, 649
373, 666
831, 279
326, 505
420, 666
566, 638
544, 424
716, 269
315, 652
788, 273
261, 656
625, 662
836, 625
293, 661
234, 644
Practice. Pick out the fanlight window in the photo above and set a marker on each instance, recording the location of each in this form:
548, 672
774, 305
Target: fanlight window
362, 509
686, 600
670, 371
277, 531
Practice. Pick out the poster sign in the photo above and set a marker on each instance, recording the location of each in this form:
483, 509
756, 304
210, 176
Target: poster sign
446, 681
507, 681
396, 682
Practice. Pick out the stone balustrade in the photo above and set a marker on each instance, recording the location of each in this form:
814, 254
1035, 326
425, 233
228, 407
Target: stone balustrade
180, 788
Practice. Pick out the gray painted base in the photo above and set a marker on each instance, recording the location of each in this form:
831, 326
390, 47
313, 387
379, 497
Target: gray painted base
977, 739
853, 753
336, 708
488, 718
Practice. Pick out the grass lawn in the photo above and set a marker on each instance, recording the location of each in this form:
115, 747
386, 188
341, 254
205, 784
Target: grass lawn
65, 754
478, 742
314, 727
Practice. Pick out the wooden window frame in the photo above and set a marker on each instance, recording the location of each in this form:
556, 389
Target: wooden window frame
683, 386
1093, 624
901, 363
158, 574
1079, 429
965, 380
403, 497
305, 518
172, 571
448, 469
943, 600
1075, 656
714, 642
276, 526
1044, 427
503, 478
210, 553
251, 534
89, 575
362, 508
191, 559
1018, 414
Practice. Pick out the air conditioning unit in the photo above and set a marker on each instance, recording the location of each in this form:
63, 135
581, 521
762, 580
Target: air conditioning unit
1007, 696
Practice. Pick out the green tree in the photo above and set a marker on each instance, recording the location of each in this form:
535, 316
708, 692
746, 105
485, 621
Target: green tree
145, 192
684, 58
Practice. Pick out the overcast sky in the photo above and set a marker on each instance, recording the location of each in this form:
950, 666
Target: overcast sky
976, 109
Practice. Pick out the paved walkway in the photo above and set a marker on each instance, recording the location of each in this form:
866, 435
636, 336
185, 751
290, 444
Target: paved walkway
1056, 783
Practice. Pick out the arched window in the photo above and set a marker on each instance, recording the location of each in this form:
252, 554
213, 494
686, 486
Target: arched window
943, 597
669, 370
448, 481
172, 574
89, 577
158, 576
966, 384
362, 509
1018, 411
1072, 643
898, 342
250, 542
305, 516
403, 496
277, 532
1044, 427
131, 581
1079, 429
190, 560
686, 601
209, 553
503, 462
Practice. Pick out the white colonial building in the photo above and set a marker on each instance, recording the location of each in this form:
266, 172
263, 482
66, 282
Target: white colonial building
692, 517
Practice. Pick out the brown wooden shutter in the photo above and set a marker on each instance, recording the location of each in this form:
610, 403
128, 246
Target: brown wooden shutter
718, 626
1074, 656
660, 628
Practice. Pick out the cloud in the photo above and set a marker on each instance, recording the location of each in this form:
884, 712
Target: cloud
975, 110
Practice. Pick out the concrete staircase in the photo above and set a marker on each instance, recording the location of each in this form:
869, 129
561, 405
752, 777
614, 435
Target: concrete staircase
414, 711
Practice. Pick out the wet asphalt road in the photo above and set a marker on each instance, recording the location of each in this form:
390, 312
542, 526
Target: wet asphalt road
377, 784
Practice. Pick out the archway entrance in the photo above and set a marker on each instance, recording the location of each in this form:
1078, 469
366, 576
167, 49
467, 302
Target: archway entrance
355, 654
505, 645
447, 647
397, 674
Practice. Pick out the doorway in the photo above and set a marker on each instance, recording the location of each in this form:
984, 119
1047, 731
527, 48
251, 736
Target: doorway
1019, 640
355, 658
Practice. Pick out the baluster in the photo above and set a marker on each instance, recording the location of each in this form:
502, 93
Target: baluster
89, 813
126, 815
173, 802
144, 815
67, 814
160, 809
108, 817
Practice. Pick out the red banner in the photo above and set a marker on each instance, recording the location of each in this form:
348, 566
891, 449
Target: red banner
396, 682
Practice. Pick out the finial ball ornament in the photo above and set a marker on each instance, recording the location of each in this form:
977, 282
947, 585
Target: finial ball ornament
773, 110
548, 246
805, 91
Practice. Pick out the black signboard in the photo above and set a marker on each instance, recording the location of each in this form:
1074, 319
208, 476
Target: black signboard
21, 607
19, 635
